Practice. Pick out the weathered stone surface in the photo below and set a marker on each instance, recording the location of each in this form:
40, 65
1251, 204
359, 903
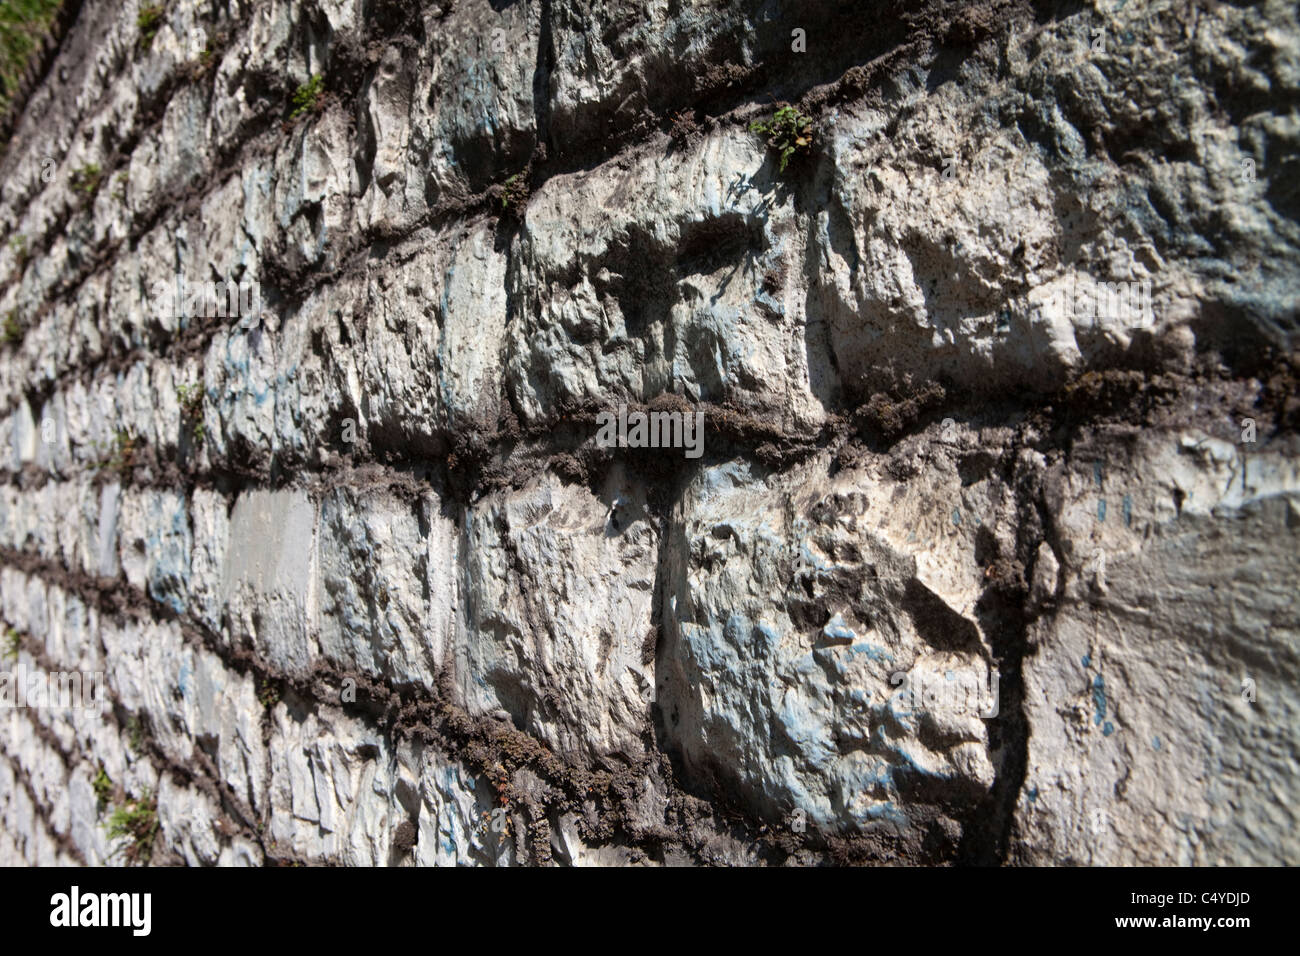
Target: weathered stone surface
1145, 749
559, 587
987, 558
815, 593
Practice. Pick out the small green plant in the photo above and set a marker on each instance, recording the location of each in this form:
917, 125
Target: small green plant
24, 28
205, 62
267, 693
190, 398
86, 179
307, 97
514, 194
149, 20
135, 734
13, 328
788, 132
122, 452
137, 822
13, 643
102, 786
120, 192
19, 246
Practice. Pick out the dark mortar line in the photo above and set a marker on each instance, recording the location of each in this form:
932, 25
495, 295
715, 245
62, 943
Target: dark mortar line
237, 816
483, 745
152, 114
206, 779
250, 143
295, 288
117, 599
209, 781
1006, 621
41, 811
534, 449
162, 764
730, 432
1008, 821
407, 711
542, 81
37, 70
850, 85
63, 840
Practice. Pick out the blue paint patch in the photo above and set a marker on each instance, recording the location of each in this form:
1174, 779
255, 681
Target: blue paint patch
899, 709
1128, 510
1087, 659
1101, 509
737, 628
837, 630
184, 679
1099, 699
1032, 794
806, 732
812, 560
168, 572
1096, 472
828, 658
873, 652
908, 764
806, 665
1108, 729
723, 478
1155, 742
956, 516
769, 635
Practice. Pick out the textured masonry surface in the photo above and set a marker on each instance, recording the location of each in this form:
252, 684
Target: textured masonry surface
364, 588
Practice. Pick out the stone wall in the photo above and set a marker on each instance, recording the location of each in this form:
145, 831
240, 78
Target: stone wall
363, 586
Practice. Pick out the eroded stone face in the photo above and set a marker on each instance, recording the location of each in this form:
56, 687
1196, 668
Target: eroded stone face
794, 601
980, 559
557, 624
651, 280
271, 592
1145, 749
